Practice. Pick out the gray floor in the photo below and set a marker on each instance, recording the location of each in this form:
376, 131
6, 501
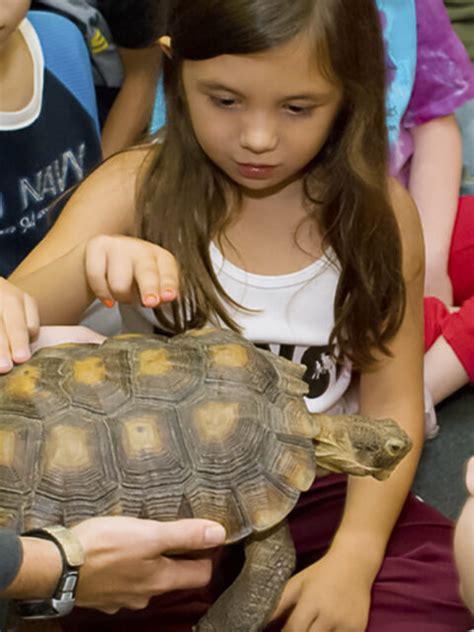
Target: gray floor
439, 480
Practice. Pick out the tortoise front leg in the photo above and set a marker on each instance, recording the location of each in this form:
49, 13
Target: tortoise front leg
249, 602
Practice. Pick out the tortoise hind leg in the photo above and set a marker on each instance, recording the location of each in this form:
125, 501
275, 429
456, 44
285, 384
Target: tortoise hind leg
249, 602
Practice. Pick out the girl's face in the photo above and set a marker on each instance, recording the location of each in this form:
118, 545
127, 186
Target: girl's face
12, 13
261, 117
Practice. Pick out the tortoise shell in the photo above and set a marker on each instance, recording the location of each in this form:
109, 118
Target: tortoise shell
200, 425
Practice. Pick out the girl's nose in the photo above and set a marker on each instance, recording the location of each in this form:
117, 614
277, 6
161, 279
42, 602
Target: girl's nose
259, 134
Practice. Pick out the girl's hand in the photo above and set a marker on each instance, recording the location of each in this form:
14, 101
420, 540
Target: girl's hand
329, 596
123, 269
19, 323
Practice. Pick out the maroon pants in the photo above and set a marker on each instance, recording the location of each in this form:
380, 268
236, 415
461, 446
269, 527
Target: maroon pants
415, 590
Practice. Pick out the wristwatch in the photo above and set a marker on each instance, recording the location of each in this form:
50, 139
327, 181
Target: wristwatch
63, 599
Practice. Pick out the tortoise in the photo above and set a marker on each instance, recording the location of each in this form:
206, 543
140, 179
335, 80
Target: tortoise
203, 424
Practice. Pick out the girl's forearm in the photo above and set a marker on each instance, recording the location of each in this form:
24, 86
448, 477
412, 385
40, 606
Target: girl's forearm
371, 511
394, 391
60, 287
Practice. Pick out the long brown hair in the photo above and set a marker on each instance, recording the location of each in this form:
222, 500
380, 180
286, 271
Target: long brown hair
185, 201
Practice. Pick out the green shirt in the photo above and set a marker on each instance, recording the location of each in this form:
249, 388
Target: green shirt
461, 13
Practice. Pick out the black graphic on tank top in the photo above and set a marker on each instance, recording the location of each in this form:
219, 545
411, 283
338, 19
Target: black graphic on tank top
322, 371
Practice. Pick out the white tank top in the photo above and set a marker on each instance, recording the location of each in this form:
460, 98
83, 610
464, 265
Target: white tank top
293, 317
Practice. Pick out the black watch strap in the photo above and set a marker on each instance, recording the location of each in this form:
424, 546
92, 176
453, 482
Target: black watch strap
63, 599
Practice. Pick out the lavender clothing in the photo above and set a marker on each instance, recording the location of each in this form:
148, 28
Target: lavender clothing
444, 79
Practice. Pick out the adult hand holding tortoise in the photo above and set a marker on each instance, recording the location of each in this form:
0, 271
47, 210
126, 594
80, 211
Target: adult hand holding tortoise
125, 562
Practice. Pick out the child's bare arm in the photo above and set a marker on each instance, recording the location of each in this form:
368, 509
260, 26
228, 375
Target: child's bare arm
327, 592
435, 177
130, 114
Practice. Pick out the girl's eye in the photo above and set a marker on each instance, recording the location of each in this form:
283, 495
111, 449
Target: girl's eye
223, 102
299, 110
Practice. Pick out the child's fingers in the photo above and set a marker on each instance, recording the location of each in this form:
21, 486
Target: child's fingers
147, 279
32, 316
5, 356
169, 275
96, 271
120, 278
15, 333
115, 265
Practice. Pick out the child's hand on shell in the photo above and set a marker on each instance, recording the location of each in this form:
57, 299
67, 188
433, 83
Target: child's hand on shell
125, 269
19, 323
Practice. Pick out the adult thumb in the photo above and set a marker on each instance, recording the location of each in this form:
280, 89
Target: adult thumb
190, 535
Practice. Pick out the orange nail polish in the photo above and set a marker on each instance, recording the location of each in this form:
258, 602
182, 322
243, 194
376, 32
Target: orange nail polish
150, 299
108, 303
168, 294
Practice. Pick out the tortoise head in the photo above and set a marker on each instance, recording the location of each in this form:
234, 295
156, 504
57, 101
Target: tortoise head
359, 445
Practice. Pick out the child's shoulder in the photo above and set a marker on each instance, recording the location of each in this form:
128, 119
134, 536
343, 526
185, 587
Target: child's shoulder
129, 165
124, 169
107, 197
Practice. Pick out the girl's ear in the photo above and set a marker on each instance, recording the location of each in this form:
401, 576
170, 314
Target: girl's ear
165, 44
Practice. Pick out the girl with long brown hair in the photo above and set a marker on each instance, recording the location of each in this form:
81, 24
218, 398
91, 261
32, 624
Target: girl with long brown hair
265, 206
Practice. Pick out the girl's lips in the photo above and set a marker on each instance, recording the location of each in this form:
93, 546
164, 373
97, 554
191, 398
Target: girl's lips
255, 172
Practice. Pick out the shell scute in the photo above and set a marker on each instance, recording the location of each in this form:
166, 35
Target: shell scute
215, 500
28, 390
265, 501
166, 372
78, 476
152, 459
221, 433
97, 379
148, 446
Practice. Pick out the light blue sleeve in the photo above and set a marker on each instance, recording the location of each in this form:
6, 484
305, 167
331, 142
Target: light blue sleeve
158, 118
399, 26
